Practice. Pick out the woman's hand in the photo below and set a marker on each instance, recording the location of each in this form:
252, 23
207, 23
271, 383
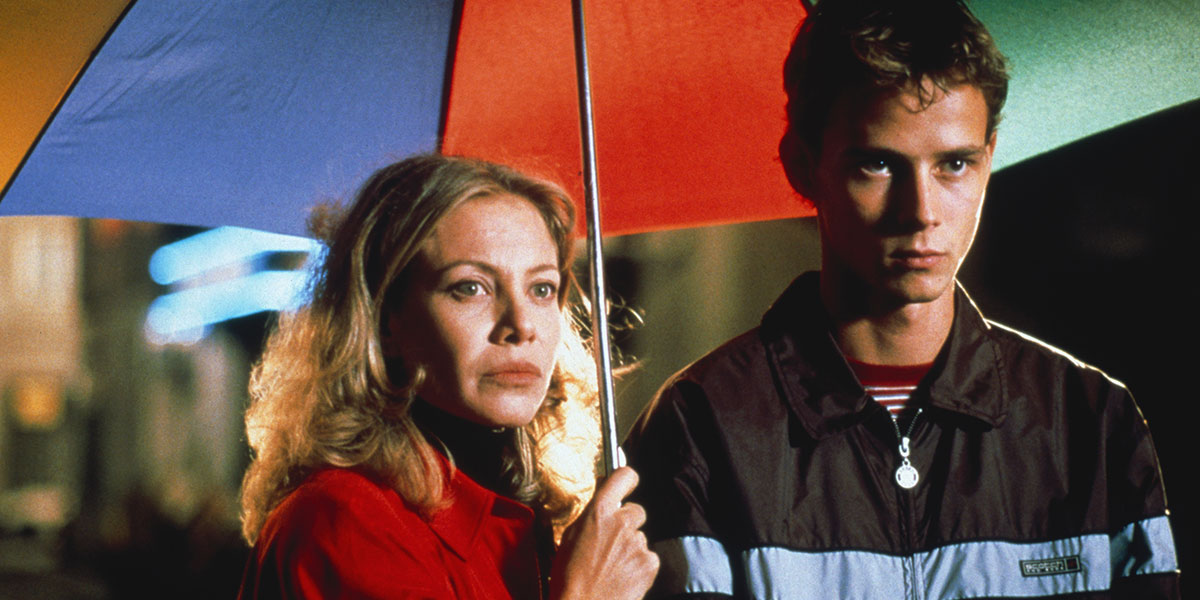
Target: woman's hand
604, 553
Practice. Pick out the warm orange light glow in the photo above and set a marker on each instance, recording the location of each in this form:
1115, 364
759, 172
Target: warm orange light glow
37, 402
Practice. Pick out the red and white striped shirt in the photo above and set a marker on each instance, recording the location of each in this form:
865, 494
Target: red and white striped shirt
889, 385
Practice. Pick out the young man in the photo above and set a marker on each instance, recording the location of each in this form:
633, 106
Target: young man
875, 437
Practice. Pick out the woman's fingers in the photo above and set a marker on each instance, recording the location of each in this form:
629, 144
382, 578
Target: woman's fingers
614, 489
633, 515
605, 551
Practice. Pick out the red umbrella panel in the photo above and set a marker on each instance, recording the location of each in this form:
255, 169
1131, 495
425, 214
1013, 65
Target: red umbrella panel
688, 105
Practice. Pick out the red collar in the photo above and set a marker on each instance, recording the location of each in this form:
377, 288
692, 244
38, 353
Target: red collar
471, 505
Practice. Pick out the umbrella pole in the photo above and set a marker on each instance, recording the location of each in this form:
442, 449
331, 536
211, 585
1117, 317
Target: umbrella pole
600, 339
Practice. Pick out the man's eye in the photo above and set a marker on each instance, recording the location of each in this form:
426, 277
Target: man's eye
875, 167
544, 290
956, 165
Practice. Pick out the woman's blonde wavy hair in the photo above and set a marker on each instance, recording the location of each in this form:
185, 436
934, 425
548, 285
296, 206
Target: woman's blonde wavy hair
323, 395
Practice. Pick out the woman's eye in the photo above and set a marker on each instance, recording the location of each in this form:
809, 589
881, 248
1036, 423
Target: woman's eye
544, 290
467, 289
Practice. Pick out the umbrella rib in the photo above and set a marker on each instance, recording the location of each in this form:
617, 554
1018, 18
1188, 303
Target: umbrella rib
448, 72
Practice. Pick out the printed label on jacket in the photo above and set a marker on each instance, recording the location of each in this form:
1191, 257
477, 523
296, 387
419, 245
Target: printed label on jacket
1050, 566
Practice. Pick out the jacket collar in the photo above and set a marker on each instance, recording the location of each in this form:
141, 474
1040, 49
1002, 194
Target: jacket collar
826, 397
471, 506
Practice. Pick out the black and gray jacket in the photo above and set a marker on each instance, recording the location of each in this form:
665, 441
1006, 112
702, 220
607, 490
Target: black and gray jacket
767, 472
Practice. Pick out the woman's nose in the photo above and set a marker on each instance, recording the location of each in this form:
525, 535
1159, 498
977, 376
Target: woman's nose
515, 325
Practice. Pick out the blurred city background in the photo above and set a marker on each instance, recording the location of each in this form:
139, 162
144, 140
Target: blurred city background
121, 446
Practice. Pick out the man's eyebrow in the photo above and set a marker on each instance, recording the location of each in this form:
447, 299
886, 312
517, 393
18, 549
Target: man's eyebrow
872, 152
962, 152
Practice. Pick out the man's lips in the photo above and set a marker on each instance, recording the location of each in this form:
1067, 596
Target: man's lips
516, 373
917, 259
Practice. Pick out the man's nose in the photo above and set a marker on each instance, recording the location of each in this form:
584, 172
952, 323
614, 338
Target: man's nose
915, 201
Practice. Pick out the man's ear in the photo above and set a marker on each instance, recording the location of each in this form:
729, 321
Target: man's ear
798, 165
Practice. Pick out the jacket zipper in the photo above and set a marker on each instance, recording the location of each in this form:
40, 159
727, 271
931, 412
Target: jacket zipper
906, 477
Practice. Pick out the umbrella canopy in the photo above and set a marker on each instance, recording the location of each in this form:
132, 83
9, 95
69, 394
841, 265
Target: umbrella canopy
246, 113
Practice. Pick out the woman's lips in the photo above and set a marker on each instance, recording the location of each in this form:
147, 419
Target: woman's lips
515, 374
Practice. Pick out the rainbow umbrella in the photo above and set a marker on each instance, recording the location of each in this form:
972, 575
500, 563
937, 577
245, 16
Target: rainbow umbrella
247, 113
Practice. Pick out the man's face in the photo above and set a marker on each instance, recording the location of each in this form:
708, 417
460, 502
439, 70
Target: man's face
899, 189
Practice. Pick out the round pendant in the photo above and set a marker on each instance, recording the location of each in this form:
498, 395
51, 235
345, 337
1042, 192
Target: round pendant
907, 476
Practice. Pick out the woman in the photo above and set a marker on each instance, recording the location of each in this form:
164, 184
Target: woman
426, 427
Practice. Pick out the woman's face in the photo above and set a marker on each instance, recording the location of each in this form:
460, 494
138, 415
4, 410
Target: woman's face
481, 312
